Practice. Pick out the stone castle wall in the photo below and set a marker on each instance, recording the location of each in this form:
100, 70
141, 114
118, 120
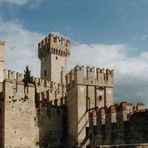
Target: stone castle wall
18, 111
33, 114
85, 91
99, 83
118, 125
49, 91
51, 126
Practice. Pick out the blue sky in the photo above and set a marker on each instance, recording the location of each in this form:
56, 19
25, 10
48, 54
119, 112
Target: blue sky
87, 21
104, 33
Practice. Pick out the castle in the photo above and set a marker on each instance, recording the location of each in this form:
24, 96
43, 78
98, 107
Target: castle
66, 109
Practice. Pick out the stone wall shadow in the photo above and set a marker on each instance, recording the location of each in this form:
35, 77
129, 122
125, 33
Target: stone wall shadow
52, 124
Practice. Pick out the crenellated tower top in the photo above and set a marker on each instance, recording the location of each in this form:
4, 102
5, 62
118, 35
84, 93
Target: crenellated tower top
90, 76
55, 45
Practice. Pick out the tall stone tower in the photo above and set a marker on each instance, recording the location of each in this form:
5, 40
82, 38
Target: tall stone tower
2, 45
53, 52
87, 89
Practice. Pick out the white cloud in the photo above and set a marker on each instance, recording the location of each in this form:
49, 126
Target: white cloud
20, 2
131, 81
131, 78
112, 56
21, 47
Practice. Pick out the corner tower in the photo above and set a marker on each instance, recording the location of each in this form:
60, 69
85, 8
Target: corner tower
2, 45
53, 51
87, 89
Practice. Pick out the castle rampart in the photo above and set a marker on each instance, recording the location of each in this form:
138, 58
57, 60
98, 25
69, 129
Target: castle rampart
42, 85
50, 92
20, 108
116, 124
91, 76
13, 76
115, 113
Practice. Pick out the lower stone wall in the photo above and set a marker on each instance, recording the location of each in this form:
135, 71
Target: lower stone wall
50, 123
141, 145
128, 132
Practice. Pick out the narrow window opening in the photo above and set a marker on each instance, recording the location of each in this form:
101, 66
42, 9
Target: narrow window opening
100, 98
45, 73
56, 57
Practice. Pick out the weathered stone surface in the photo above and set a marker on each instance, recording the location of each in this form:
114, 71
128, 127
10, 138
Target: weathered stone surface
62, 110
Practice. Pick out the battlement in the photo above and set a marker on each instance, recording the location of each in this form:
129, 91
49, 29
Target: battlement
2, 43
49, 92
55, 45
115, 113
43, 85
15, 92
48, 98
13, 76
89, 76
